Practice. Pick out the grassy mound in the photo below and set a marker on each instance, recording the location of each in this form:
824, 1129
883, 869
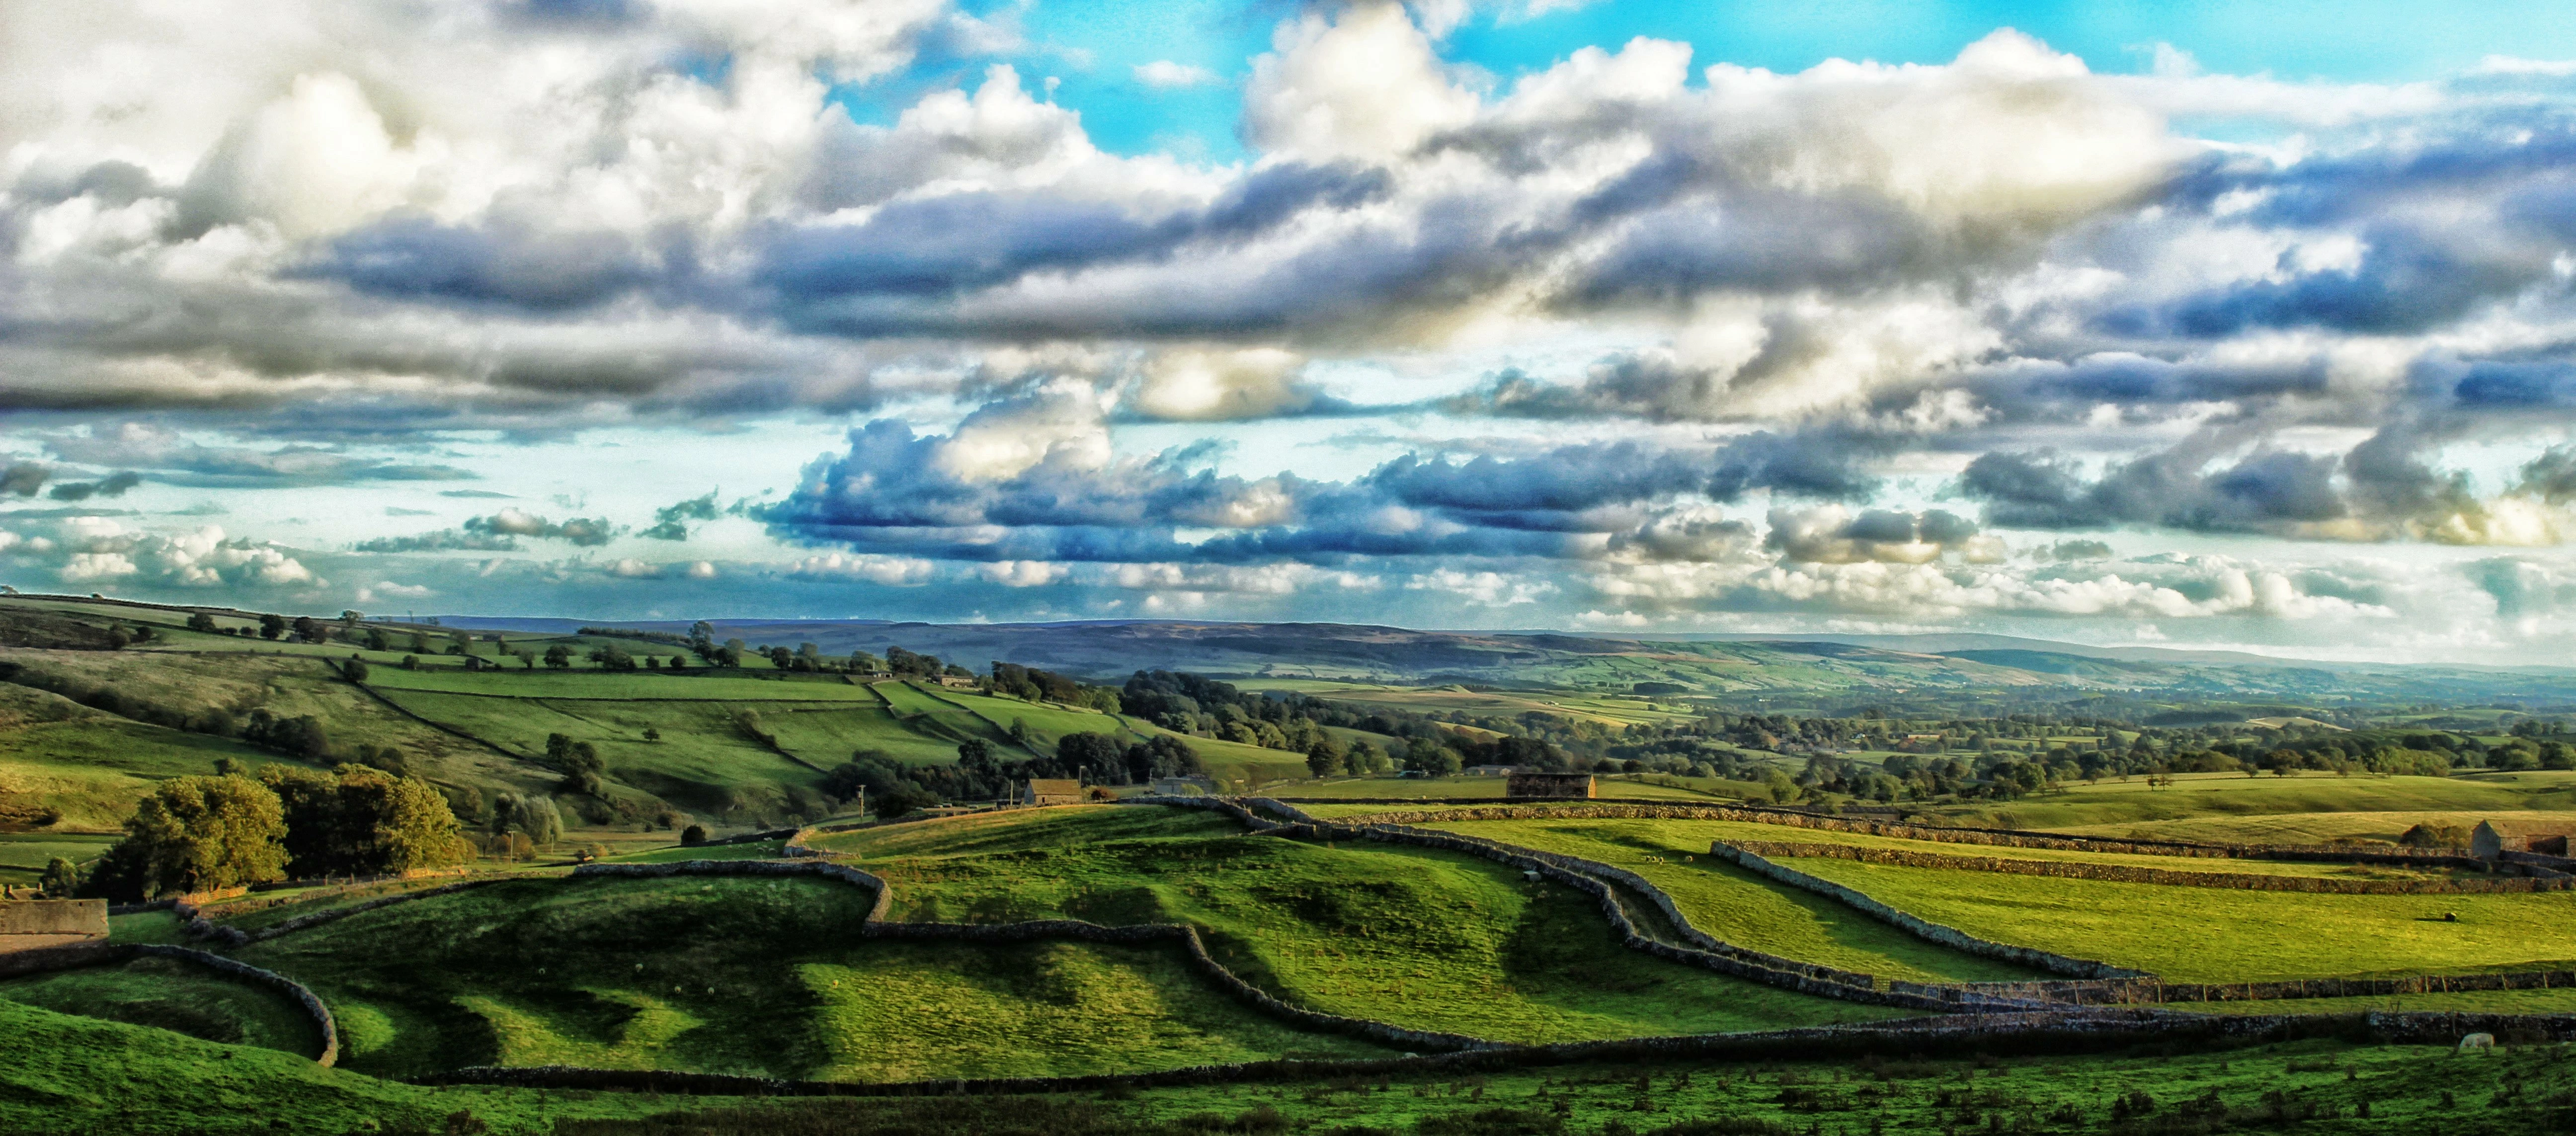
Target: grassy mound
1742, 908
762, 976
173, 995
1425, 939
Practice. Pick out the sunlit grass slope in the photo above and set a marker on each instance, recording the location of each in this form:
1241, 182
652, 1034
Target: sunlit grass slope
174, 995
2215, 935
1422, 938
736, 975
2214, 797
1744, 909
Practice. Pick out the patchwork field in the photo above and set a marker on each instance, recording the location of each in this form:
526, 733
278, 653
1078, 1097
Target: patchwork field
772, 975
1423, 939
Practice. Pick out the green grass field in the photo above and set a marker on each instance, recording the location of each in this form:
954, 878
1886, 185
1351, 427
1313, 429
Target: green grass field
743, 975
62, 1075
693, 686
2322, 828
2213, 935
1425, 939
2210, 799
173, 995
1742, 908
1692, 837
23, 855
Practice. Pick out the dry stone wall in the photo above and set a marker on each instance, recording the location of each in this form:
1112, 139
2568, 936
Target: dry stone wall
1923, 928
1952, 1037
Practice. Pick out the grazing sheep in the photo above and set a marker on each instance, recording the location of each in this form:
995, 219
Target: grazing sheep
2477, 1041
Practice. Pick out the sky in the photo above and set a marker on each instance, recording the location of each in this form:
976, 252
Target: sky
2240, 326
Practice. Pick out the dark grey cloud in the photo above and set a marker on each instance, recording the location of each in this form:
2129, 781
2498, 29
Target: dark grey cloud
23, 479
948, 245
1832, 535
893, 491
113, 485
175, 461
499, 532
671, 521
2383, 487
444, 540
504, 263
585, 532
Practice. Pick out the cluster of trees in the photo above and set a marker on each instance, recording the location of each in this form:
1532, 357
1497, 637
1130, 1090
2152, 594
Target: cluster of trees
893, 788
197, 833
1034, 685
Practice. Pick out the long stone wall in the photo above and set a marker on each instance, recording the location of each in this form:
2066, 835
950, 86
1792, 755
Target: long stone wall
53, 917
2122, 873
1922, 928
1994, 1034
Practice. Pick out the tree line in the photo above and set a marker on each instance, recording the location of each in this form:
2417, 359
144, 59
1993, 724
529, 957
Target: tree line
236, 828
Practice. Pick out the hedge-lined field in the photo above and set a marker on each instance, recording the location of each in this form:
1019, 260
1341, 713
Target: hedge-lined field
2189, 934
1423, 939
1744, 909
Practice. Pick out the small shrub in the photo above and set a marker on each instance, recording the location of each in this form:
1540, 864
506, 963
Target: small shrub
693, 835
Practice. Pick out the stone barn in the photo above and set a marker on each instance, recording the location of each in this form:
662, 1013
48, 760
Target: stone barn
1550, 786
1047, 791
28, 924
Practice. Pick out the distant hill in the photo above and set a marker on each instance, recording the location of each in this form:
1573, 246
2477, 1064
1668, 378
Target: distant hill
1958, 672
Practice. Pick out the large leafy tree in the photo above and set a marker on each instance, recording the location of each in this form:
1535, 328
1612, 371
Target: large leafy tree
197, 833
357, 821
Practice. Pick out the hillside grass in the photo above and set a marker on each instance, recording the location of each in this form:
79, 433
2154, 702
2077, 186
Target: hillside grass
173, 995
737, 975
2191, 934
911, 1011
2213, 795
62, 1075
651, 686
2322, 828
1741, 908
1433, 790
1424, 939
94, 766
23, 855
1022, 830
1692, 837
67, 1075
829, 735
